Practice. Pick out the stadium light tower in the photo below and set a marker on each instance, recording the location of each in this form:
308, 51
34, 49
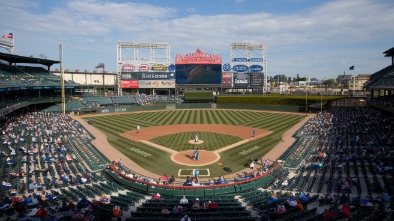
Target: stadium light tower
62, 79
101, 65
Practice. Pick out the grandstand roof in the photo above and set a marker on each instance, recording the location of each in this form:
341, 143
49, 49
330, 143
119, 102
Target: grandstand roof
29, 60
389, 53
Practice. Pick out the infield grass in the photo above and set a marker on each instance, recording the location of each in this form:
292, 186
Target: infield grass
159, 161
180, 141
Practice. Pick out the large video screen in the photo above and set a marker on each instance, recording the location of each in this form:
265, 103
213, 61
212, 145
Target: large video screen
198, 73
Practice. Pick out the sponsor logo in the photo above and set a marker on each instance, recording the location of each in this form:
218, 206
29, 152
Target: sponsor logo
128, 67
168, 82
171, 67
256, 68
245, 152
240, 60
140, 152
240, 68
241, 81
120, 109
129, 84
143, 67
154, 76
104, 111
159, 67
144, 83
126, 76
256, 59
226, 67
156, 83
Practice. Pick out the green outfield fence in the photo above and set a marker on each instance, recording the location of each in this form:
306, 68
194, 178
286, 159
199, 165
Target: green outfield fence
196, 106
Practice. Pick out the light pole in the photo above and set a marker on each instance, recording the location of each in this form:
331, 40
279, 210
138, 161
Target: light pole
321, 102
306, 102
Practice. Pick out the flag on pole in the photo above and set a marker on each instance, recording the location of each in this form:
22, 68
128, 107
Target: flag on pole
10, 36
100, 65
351, 68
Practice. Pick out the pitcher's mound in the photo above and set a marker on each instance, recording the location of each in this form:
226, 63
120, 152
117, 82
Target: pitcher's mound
185, 158
194, 142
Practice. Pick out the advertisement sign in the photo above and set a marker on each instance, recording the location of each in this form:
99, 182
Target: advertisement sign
129, 83
127, 67
143, 67
241, 80
256, 79
129, 76
156, 75
240, 59
226, 79
256, 59
159, 67
147, 75
256, 68
226, 67
156, 84
171, 67
240, 68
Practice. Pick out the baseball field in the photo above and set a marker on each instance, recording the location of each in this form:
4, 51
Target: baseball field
227, 133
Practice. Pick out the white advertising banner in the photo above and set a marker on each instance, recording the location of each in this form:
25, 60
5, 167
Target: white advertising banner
156, 83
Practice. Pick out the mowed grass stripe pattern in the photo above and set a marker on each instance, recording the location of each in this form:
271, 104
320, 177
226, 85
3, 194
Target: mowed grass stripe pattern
264, 120
113, 125
180, 141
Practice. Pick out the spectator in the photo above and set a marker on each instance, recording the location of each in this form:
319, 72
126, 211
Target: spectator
175, 210
185, 218
42, 213
212, 205
71, 205
172, 180
180, 208
43, 196
165, 211
6, 185
251, 166
188, 181
83, 203
156, 196
220, 180
183, 200
120, 163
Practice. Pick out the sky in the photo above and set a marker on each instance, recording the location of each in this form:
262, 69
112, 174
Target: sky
315, 38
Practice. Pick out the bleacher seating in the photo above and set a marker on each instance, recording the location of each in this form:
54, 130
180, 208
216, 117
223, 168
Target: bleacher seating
27, 76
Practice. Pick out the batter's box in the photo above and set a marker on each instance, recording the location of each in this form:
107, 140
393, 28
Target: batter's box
190, 172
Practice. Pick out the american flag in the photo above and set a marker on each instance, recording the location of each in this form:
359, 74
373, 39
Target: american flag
100, 65
10, 35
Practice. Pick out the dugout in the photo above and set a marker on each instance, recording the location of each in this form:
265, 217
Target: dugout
198, 96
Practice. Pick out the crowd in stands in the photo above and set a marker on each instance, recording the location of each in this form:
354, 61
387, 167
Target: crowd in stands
43, 157
344, 154
351, 164
385, 103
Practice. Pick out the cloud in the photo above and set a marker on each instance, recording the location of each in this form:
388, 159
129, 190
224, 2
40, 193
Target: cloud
323, 29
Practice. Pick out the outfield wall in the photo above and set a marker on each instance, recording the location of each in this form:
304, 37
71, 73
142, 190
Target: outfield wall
197, 106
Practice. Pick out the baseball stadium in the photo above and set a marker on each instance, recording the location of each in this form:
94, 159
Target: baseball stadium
191, 136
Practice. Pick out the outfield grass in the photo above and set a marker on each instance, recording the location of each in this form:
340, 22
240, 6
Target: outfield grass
159, 162
180, 141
